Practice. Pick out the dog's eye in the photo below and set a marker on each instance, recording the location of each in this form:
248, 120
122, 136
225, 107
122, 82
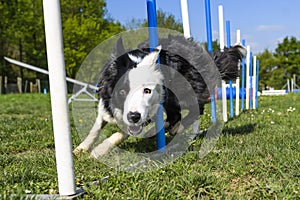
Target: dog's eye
147, 91
123, 92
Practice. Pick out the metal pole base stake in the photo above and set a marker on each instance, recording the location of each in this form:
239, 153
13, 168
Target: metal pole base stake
78, 193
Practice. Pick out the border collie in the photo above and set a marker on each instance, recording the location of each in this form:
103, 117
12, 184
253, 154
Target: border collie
133, 84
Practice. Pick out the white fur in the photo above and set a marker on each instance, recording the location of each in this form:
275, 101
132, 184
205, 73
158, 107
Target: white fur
134, 58
145, 75
146, 71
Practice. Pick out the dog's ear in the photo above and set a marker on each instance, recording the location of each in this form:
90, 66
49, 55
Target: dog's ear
151, 58
119, 48
241, 49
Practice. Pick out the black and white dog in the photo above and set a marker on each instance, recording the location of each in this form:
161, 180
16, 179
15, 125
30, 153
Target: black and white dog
132, 87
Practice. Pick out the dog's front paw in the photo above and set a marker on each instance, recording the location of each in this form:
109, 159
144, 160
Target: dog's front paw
102, 149
177, 128
78, 150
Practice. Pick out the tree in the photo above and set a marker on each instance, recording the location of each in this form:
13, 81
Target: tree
22, 33
84, 27
268, 64
288, 55
164, 20
277, 67
215, 45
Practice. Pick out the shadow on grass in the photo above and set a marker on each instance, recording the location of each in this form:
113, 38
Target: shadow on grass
143, 145
239, 130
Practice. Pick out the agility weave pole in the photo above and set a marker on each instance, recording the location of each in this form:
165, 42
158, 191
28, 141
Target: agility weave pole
237, 82
250, 80
153, 41
253, 89
222, 46
230, 81
248, 60
257, 81
59, 101
187, 35
210, 49
243, 79
185, 19
252, 74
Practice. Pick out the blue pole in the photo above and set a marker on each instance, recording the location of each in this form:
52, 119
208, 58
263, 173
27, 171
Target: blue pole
210, 49
153, 41
228, 33
257, 81
243, 79
230, 81
208, 26
251, 85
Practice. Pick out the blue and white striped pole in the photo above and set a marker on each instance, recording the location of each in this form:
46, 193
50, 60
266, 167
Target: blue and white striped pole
210, 49
153, 41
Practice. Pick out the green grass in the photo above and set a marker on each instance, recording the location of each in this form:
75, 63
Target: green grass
257, 157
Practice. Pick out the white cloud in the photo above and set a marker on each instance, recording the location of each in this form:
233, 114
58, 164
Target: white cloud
270, 27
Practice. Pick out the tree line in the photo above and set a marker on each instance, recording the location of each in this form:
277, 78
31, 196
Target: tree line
22, 36
278, 66
85, 24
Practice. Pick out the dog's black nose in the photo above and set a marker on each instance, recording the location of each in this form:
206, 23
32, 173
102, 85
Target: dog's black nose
133, 117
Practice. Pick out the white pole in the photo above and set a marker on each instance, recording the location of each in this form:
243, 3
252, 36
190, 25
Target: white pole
187, 34
238, 36
222, 44
59, 101
185, 19
254, 84
221, 28
247, 77
224, 101
292, 85
237, 96
237, 81
46, 72
288, 85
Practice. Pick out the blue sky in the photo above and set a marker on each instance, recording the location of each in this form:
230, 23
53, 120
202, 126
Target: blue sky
263, 23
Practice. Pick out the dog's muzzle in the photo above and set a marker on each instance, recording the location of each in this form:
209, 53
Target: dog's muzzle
134, 118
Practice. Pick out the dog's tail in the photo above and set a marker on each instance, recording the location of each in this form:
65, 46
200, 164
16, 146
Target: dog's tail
229, 61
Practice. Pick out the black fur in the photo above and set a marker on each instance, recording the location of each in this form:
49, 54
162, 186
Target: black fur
185, 57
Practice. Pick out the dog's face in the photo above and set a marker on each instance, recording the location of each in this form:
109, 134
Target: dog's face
142, 99
141, 106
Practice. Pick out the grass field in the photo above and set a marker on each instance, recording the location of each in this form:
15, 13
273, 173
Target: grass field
257, 157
